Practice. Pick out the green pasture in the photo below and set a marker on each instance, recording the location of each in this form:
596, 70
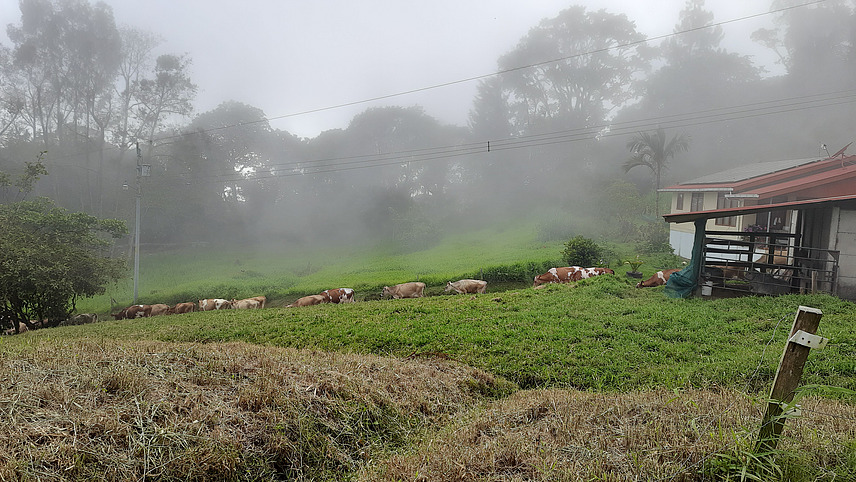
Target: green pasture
286, 272
601, 334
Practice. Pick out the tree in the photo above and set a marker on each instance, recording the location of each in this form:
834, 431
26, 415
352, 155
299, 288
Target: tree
572, 70
653, 152
50, 257
169, 93
25, 182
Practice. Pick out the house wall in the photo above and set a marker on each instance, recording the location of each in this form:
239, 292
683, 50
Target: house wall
844, 240
681, 235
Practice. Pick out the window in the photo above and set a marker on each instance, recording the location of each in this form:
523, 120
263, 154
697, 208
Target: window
697, 201
723, 202
679, 202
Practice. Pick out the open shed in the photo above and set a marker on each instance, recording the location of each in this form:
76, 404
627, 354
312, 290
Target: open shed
817, 253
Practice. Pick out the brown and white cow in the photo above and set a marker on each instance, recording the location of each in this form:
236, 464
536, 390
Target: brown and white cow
246, 304
214, 304
80, 319
338, 295
132, 312
467, 286
659, 278
159, 309
568, 274
307, 301
261, 299
181, 308
413, 289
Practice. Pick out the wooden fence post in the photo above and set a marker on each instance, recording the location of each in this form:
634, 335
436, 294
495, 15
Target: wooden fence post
788, 375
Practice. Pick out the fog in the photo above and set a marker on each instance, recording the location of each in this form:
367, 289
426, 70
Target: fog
343, 124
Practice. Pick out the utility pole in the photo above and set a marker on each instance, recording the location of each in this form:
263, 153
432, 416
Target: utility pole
137, 223
143, 170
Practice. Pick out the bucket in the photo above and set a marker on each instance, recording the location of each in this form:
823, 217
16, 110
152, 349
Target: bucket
707, 288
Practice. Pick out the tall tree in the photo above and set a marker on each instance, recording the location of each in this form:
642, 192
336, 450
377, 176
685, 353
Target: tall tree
572, 70
69, 52
697, 74
654, 152
169, 93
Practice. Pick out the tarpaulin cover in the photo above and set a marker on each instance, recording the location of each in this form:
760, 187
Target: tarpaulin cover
683, 283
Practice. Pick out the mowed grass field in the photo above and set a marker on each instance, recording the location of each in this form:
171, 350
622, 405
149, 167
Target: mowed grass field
596, 380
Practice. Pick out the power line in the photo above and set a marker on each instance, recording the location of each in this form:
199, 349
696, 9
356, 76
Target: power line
500, 72
517, 142
682, 120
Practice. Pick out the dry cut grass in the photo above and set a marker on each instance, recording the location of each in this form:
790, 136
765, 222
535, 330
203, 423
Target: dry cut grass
562, 435
156, 411
113, 410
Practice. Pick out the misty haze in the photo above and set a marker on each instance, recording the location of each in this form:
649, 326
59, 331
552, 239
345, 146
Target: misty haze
268, 153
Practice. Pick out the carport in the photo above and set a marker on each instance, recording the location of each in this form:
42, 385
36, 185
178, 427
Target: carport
807, 260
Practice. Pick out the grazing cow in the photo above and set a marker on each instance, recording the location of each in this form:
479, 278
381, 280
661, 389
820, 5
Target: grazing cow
80, 319
413, 289
181, 308
568, 274
247, 304
214, 304
261, 299
133, 311
159, 309
659, 278
467, 286
307, 301
338, 295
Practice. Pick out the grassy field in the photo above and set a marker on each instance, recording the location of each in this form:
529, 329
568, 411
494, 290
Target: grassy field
596, 380
284, 273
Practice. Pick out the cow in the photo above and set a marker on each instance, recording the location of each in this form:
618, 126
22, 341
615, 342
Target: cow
307, 301
568, 274
467, 286
338, 295
659, 278
132, 312
181, 308
214, 304
159, 309
80, 319
247, 304
261, 299
414, 289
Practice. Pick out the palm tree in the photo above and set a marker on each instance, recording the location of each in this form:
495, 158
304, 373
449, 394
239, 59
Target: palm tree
652, 151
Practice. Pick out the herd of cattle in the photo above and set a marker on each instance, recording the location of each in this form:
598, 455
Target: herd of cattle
414, 289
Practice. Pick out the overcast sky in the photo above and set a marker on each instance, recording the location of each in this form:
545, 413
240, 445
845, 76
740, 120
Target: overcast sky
288, 57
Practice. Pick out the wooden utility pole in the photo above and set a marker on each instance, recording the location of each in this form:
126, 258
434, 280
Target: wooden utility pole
800, 341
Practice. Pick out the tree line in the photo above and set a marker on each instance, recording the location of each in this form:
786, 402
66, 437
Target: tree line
557, 126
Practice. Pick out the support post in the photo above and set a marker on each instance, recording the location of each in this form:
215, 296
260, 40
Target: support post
787, 379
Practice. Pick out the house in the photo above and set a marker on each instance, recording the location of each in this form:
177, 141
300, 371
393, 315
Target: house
782, 226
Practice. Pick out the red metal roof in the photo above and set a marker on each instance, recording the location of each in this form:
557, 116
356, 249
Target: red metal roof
724, 213
808, 176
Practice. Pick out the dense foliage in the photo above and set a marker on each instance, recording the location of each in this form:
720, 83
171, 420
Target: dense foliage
582, 251
87, 91
50, 257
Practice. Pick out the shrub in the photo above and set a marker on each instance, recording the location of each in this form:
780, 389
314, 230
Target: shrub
654, 238
581, 251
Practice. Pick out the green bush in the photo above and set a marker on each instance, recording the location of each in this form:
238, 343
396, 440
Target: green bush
522, 272
581, 251
653, 238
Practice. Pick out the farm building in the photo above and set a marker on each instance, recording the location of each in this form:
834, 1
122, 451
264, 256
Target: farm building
771, 227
